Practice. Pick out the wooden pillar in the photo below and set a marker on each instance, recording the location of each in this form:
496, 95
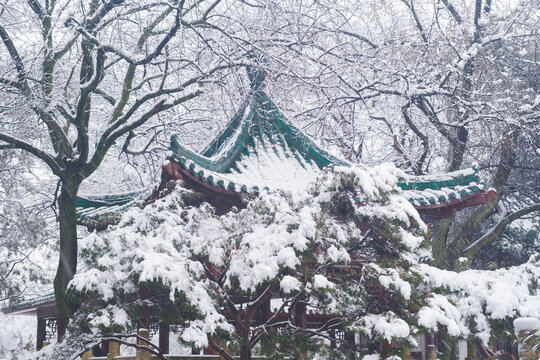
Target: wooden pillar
105, 347
87, 354
143, 354
350, 343
332, 336
144, 315
114, 350
41, 329
432, 352
300, 315
164, 337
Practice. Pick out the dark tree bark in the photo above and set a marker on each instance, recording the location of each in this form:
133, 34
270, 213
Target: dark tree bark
67, 260
70, 157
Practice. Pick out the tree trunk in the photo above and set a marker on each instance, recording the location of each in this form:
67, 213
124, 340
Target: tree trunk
439, 244
245, 352
67, 264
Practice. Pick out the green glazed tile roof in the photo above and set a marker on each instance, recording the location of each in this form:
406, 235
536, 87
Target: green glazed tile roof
30, 303
257, 121
94, 207
259, 127
260, 149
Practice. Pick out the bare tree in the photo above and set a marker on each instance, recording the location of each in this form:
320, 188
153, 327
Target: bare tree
79, 77
26, 225
434, 86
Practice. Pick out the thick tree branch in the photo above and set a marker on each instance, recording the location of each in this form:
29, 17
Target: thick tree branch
416, 20
419, 164
23, 145
480, 214
496, 230
452, 11
15, 57
130, 72
421, 103
220, 350
59, 54
351, 34
37, 9
112, 133
13, 83
148, 58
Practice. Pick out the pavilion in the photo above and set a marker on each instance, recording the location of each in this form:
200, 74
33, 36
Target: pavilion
258, 150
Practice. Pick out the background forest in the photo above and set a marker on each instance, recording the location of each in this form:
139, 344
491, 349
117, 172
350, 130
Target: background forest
91, 91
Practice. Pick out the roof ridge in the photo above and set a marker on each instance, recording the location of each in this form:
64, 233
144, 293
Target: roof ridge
264, 121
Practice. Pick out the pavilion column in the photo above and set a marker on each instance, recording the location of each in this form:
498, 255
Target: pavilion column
105, 347
144, 315
141, 354
164, 337
41, 330
300, 315
432, 348
114, 350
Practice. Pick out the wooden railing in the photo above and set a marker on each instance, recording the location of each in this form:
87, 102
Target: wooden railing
170, 357
114, 353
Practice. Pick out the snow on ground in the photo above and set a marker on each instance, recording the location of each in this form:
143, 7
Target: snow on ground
16, 332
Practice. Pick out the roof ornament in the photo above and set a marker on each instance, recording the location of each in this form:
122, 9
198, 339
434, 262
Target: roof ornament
255, 71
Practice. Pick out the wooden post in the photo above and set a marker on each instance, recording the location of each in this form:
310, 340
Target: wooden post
300, 315
41, 326
164, 337
87, 354
528, 344
143, 354
114, 350
432, 352
407, 355
104, 347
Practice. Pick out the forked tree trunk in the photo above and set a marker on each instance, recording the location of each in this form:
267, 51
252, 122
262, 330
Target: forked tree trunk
67, 264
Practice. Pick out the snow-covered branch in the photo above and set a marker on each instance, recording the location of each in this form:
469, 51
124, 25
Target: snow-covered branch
497, 229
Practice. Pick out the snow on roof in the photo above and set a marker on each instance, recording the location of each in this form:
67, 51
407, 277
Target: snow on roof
29, 304
260, 149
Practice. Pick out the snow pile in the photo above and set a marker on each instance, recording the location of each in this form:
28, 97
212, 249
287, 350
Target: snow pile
20, 334
480, 296
388, 325
527, 324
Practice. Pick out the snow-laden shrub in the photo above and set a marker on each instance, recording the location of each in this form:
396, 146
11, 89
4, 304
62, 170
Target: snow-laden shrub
347, 247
